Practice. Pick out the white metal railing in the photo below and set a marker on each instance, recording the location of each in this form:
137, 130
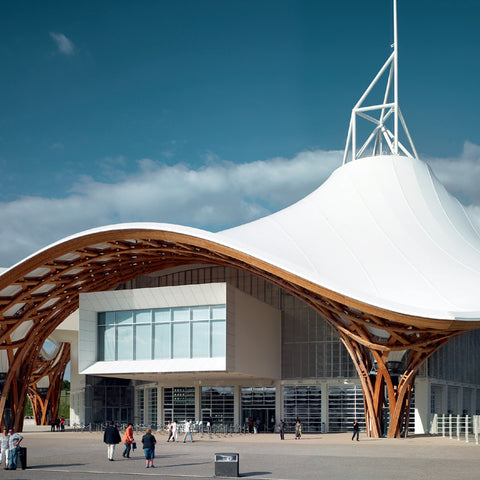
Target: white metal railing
461, 427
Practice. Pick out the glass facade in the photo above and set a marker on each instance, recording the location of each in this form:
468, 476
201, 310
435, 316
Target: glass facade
218, 404
452, 400
456, 361
179, 403
436, 399
108, 399
146, 405
186, 332
305, 403
345, 404
258, 406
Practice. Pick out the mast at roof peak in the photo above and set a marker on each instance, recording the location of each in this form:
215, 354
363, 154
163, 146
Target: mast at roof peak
380, 141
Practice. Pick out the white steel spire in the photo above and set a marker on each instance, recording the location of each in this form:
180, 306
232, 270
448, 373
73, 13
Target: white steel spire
380, 141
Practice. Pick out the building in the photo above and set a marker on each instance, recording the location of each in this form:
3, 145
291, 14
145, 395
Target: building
361, 298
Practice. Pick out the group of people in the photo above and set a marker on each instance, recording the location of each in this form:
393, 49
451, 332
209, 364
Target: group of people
298, 429
112, 438
57, 424
10, 446
172, 429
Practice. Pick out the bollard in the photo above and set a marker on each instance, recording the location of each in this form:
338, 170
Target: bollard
227, 465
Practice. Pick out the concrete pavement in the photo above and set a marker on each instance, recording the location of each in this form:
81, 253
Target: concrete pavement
69, 455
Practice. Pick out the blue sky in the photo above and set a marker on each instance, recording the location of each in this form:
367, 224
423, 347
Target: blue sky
213, 113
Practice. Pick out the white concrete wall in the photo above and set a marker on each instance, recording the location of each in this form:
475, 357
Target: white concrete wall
255, 332
422, 406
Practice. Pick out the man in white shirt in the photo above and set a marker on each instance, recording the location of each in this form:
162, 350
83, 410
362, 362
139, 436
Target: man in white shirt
188, 430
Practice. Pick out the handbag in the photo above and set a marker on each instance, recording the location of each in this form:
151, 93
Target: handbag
134, 445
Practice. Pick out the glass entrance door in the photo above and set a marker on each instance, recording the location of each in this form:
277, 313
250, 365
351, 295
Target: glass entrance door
259, 419
258, 406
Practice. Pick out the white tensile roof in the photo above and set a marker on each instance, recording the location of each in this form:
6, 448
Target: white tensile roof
382, 230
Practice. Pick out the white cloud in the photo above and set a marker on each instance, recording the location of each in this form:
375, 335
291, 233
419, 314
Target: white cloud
460, 175
216, 196
64, 45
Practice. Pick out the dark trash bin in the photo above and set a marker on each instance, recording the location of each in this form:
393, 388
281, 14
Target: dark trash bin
227, 465
22, 457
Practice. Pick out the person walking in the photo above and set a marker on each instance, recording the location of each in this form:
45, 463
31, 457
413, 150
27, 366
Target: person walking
188, 430
127, 440
281, 429
298, 429
149, 441
4, 448
14, 440
111, 437
168, 428
174, 431
356, 430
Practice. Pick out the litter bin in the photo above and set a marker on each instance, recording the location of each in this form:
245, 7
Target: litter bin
226, 464
22, 457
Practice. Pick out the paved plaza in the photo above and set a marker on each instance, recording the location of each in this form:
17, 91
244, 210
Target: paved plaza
70, 455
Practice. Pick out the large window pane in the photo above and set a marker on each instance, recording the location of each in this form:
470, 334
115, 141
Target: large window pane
143, 342
181, 314
109, 345
181, 340
200, 313
200, 342
161, 315
161, 341
218, 338
105, 343
100, 342
219, 312
124, 317
124, 342
142, 316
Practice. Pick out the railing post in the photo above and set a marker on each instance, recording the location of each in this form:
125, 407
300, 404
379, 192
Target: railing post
466, 428
450, 426
443, 425
458, 427
475, 427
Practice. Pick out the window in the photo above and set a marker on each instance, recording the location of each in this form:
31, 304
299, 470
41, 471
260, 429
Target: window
164, 333
218, 404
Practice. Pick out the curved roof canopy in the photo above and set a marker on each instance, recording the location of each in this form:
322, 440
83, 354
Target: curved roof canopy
381, 232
